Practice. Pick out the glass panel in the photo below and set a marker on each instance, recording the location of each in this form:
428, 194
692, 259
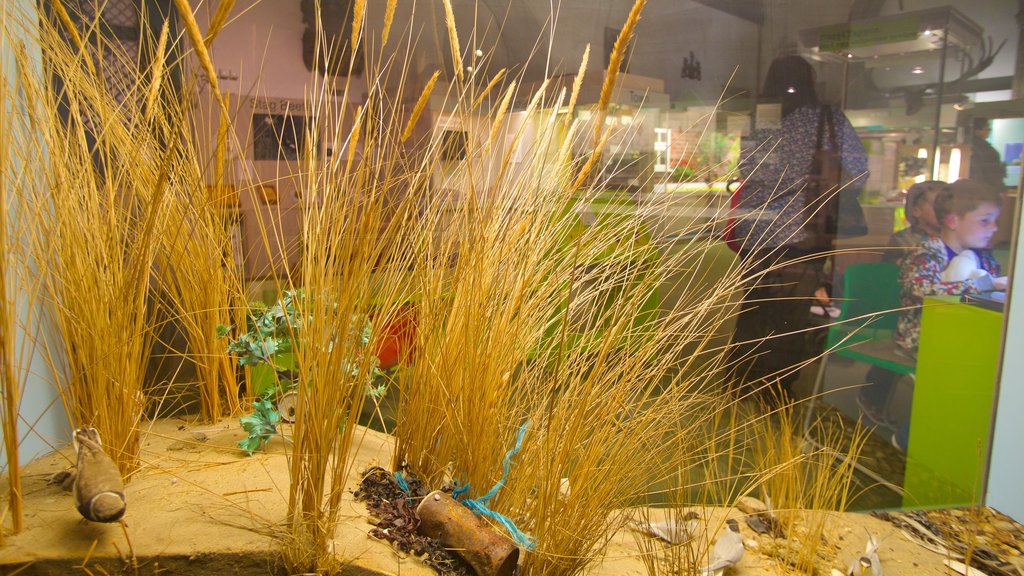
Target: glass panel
924, 386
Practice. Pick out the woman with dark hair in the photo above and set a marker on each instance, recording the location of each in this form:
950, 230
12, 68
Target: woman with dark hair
783, 255
790, 80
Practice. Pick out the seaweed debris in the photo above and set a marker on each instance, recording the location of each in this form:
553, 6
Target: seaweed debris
393, 513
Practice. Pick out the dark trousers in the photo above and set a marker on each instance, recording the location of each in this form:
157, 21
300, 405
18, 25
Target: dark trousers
878, 385
770, 340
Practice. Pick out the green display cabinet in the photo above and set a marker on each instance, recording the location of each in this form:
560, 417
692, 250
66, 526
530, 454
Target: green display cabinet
954, 395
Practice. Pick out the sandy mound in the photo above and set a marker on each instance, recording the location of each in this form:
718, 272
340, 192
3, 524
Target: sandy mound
199, 506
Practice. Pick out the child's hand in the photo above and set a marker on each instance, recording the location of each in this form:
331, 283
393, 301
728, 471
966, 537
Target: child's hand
999, 283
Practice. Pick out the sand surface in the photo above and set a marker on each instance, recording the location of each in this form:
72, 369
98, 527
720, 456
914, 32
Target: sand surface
200, 506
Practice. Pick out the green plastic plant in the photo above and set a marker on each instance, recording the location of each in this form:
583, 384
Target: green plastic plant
261, 424
271, 330
277, 329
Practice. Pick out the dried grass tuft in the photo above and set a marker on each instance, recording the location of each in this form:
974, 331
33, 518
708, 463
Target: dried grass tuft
806, 488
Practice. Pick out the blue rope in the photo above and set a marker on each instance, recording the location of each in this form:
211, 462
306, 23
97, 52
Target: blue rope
479, 506
460, 491
402, 482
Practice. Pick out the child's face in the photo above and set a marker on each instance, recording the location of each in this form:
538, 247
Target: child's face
975, 228
923, 213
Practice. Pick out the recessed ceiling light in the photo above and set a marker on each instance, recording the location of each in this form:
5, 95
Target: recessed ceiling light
917, 70
791, 90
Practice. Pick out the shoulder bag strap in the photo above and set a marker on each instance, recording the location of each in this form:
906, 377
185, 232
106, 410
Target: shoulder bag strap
830, 120
822, 115
825, 118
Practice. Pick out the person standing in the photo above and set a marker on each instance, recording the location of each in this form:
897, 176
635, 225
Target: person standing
785, 268
986, 164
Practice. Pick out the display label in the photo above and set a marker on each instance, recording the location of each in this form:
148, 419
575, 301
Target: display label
859, 34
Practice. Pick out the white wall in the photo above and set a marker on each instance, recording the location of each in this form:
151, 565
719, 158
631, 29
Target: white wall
42, 423
1006, 467
260, 51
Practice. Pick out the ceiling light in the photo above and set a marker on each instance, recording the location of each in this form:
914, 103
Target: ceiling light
964, 103
917, 70
791, 90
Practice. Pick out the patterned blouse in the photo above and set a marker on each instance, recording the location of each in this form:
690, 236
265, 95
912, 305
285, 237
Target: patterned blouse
774, 165
904, 243
921, 275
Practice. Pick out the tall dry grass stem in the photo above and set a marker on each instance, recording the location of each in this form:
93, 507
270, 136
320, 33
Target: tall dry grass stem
421, 103
389, 18
453, 39
358, 14
498, 77
157, 73
200, 46
618, 55
217, 21
577, 83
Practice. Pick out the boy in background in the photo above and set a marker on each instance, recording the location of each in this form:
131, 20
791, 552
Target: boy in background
967, 211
